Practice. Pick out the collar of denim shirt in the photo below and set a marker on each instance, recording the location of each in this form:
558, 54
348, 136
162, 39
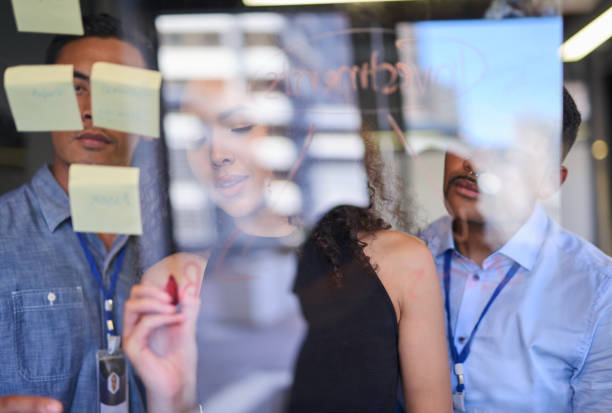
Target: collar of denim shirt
54, 201
523, 247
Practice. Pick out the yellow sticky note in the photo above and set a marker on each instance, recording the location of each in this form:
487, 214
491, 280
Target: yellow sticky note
105, 199
125, 98
48, 16
42, 97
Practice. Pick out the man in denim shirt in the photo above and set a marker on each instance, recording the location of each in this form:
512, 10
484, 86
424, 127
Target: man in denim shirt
544, 345
51, 307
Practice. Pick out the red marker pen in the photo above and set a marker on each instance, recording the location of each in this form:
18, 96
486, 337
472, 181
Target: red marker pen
172, 289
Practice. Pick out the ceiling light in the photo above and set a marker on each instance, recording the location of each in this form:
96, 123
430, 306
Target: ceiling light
588, 39
307, 2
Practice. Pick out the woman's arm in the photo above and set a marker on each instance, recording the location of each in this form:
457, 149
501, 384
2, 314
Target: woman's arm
422, 340
406, 269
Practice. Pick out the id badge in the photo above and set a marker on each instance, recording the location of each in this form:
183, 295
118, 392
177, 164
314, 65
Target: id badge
459, 401
113, 396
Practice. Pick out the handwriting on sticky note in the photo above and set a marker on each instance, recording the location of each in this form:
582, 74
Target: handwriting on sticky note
110, 200
42, 97
48, 16
125, 98
105, 199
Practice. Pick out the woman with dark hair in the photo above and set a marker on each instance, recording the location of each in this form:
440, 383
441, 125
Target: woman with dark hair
372, 300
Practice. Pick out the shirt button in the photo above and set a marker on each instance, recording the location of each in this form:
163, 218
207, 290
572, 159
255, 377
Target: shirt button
476, 277
461, 340
51, 297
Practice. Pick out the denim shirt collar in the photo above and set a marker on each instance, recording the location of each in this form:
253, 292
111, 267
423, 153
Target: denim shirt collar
54, 202
55, 207
523, 247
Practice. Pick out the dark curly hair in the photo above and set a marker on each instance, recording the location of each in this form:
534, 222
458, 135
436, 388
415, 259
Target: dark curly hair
104, 26
339, 229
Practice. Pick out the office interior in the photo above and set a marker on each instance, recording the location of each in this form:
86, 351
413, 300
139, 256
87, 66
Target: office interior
251, 327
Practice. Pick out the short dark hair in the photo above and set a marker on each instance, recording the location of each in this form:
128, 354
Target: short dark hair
571, 122
104, 26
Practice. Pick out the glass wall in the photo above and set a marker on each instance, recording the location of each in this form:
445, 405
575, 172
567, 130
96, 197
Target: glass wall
271, 117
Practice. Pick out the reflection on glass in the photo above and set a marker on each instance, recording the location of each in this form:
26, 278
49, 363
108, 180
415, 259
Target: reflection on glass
224, 158
471, 82
285, 86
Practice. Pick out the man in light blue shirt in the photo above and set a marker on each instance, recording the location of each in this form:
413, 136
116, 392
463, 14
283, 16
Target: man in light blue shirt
544, 343
52, 314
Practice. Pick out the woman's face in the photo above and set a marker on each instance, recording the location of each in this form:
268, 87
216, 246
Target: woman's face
222, 159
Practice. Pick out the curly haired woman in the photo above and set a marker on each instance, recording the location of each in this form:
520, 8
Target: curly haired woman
373, 304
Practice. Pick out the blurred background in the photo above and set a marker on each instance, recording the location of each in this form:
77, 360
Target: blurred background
316, 79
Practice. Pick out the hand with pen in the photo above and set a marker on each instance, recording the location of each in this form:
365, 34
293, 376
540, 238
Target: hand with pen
159, 326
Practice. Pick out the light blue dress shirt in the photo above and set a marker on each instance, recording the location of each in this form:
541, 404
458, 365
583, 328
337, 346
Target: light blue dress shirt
546, 343
51, 307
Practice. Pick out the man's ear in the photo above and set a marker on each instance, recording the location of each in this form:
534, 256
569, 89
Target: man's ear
551, 183
562, 175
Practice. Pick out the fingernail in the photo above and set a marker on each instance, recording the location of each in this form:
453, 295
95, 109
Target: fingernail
53, 407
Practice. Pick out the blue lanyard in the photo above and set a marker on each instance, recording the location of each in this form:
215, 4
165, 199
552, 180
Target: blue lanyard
108, 294
459, 358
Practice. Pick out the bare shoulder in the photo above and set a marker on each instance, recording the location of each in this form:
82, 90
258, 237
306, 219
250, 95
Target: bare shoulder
405, 267
395, 247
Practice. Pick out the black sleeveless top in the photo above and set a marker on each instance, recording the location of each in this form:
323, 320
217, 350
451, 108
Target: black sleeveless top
349, 359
